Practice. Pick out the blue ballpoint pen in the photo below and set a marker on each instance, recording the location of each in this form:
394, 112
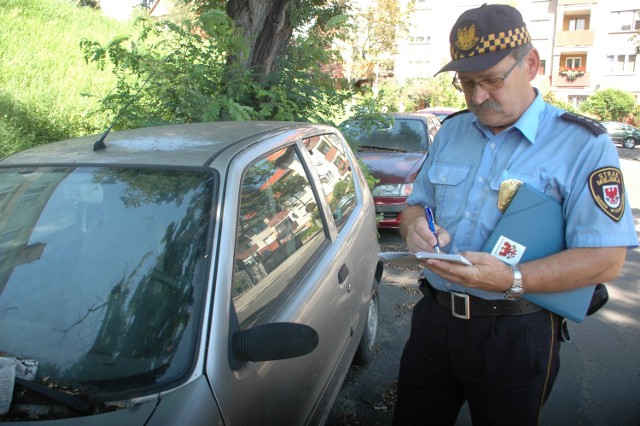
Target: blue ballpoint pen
432, 227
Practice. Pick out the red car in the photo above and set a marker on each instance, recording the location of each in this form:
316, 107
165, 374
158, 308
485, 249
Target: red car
440, 112
393, 147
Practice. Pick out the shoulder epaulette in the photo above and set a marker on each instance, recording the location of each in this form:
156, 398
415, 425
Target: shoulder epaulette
594, 126
454, 114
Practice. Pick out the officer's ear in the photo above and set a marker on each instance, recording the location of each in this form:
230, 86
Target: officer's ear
532, 63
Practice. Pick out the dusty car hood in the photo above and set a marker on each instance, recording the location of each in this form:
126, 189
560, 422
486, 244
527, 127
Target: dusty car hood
393, 167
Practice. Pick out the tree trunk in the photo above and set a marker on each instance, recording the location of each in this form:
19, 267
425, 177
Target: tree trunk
267, 32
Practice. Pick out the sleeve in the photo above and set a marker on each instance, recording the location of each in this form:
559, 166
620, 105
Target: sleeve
596, 206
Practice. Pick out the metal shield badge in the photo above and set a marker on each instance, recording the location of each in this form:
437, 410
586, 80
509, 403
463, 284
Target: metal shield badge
607, 189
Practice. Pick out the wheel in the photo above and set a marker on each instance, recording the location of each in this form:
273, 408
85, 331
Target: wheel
365, 352
629, 142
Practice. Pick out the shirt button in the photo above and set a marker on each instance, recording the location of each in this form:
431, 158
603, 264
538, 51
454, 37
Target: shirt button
480, 179
493, 145
467, 214
444, 179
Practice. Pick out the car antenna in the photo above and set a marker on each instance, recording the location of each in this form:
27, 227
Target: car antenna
99, 144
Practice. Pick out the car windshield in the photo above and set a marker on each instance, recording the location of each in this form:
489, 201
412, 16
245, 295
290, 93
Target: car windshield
397, 134
102, 272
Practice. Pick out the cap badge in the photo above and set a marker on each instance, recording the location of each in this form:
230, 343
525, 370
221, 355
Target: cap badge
467, 37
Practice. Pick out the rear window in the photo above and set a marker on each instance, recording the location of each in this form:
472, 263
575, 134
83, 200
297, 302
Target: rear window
399, 134
101, 273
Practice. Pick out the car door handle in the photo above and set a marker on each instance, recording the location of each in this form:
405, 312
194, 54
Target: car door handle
343, 273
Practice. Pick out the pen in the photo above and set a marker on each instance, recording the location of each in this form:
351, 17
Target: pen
432, 227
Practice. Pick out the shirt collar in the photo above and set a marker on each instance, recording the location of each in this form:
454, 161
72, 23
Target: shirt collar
529, 120
527, 124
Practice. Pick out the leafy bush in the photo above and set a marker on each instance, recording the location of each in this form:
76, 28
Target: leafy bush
551, 98
609, 104
180, 72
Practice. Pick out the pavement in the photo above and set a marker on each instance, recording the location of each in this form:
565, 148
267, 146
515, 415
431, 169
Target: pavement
599, 379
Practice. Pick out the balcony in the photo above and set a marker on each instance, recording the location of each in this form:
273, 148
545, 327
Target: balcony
575, 38
582, 81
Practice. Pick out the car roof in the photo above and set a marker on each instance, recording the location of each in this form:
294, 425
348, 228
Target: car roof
175, 145
396, 115
439, 109
409, 115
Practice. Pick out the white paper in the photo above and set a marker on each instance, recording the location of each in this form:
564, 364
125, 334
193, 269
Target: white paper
412, 259
7, 381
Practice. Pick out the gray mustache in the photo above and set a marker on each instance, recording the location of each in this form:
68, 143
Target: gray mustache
486, 105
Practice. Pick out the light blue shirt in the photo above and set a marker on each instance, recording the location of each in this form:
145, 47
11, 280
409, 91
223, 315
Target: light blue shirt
467, 163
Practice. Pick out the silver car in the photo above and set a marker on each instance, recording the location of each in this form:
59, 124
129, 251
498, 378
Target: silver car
216, 273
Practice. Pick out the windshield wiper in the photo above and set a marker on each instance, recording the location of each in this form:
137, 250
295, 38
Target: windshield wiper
383, 148
72, 401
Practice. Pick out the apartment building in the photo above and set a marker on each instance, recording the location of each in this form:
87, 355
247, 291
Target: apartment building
584, 45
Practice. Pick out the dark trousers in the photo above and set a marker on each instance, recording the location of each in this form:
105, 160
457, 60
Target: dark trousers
504, 366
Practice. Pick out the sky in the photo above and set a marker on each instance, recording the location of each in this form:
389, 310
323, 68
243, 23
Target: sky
118, 9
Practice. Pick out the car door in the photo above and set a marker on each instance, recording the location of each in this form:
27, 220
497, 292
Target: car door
284, 268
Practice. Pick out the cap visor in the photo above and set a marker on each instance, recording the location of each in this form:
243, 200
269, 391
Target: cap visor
475, 63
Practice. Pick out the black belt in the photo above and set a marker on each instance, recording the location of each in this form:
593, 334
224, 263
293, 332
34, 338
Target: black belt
463, 305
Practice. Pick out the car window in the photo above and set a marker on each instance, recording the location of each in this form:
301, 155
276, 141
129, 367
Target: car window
401, 134
434, 126
88, 308
279, 229
330, 160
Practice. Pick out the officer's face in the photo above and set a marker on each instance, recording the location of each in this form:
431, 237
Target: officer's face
499, 95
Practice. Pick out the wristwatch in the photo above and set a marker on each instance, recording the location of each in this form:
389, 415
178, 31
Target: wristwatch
516, 291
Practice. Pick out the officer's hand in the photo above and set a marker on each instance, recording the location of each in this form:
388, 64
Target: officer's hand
420, 238
487, 272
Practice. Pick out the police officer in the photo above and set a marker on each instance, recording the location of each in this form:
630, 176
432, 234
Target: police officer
496, 350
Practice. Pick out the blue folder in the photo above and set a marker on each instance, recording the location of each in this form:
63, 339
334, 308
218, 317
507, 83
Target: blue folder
532, 227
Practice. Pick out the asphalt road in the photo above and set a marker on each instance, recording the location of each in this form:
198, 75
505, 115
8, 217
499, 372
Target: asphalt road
599, 379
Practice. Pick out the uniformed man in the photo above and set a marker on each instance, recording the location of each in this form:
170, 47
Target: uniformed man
499, 351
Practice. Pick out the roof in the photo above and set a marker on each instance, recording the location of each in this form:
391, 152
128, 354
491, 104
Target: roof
178, 145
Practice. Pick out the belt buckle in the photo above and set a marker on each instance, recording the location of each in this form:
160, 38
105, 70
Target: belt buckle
460, 305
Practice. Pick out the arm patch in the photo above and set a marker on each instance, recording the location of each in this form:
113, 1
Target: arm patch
594, 126
607, 189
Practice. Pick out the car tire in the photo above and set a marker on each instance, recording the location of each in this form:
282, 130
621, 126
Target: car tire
366, 347
629, 142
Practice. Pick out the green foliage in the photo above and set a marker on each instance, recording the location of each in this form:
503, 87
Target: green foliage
44, 78
181, 73
551, 98
609, 104
436, 91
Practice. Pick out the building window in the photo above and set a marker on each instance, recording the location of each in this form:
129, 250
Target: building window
577, 24
543, 66
421, 39
576, 100
573, 62
622, 63
626, 20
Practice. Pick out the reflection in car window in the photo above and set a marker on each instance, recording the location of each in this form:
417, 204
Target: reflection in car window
332, 165
434, 126
407, 135
279, 229
90, 309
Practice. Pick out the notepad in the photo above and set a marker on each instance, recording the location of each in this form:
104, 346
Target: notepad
412, 259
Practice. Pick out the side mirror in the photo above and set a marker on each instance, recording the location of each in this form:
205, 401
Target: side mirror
270, 342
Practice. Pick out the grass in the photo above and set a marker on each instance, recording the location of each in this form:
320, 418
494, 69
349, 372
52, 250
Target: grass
44, 79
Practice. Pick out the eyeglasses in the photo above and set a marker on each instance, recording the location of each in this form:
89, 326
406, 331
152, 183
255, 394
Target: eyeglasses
488, 84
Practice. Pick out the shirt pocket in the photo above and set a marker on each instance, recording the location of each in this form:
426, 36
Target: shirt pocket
449, 183
532, 181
